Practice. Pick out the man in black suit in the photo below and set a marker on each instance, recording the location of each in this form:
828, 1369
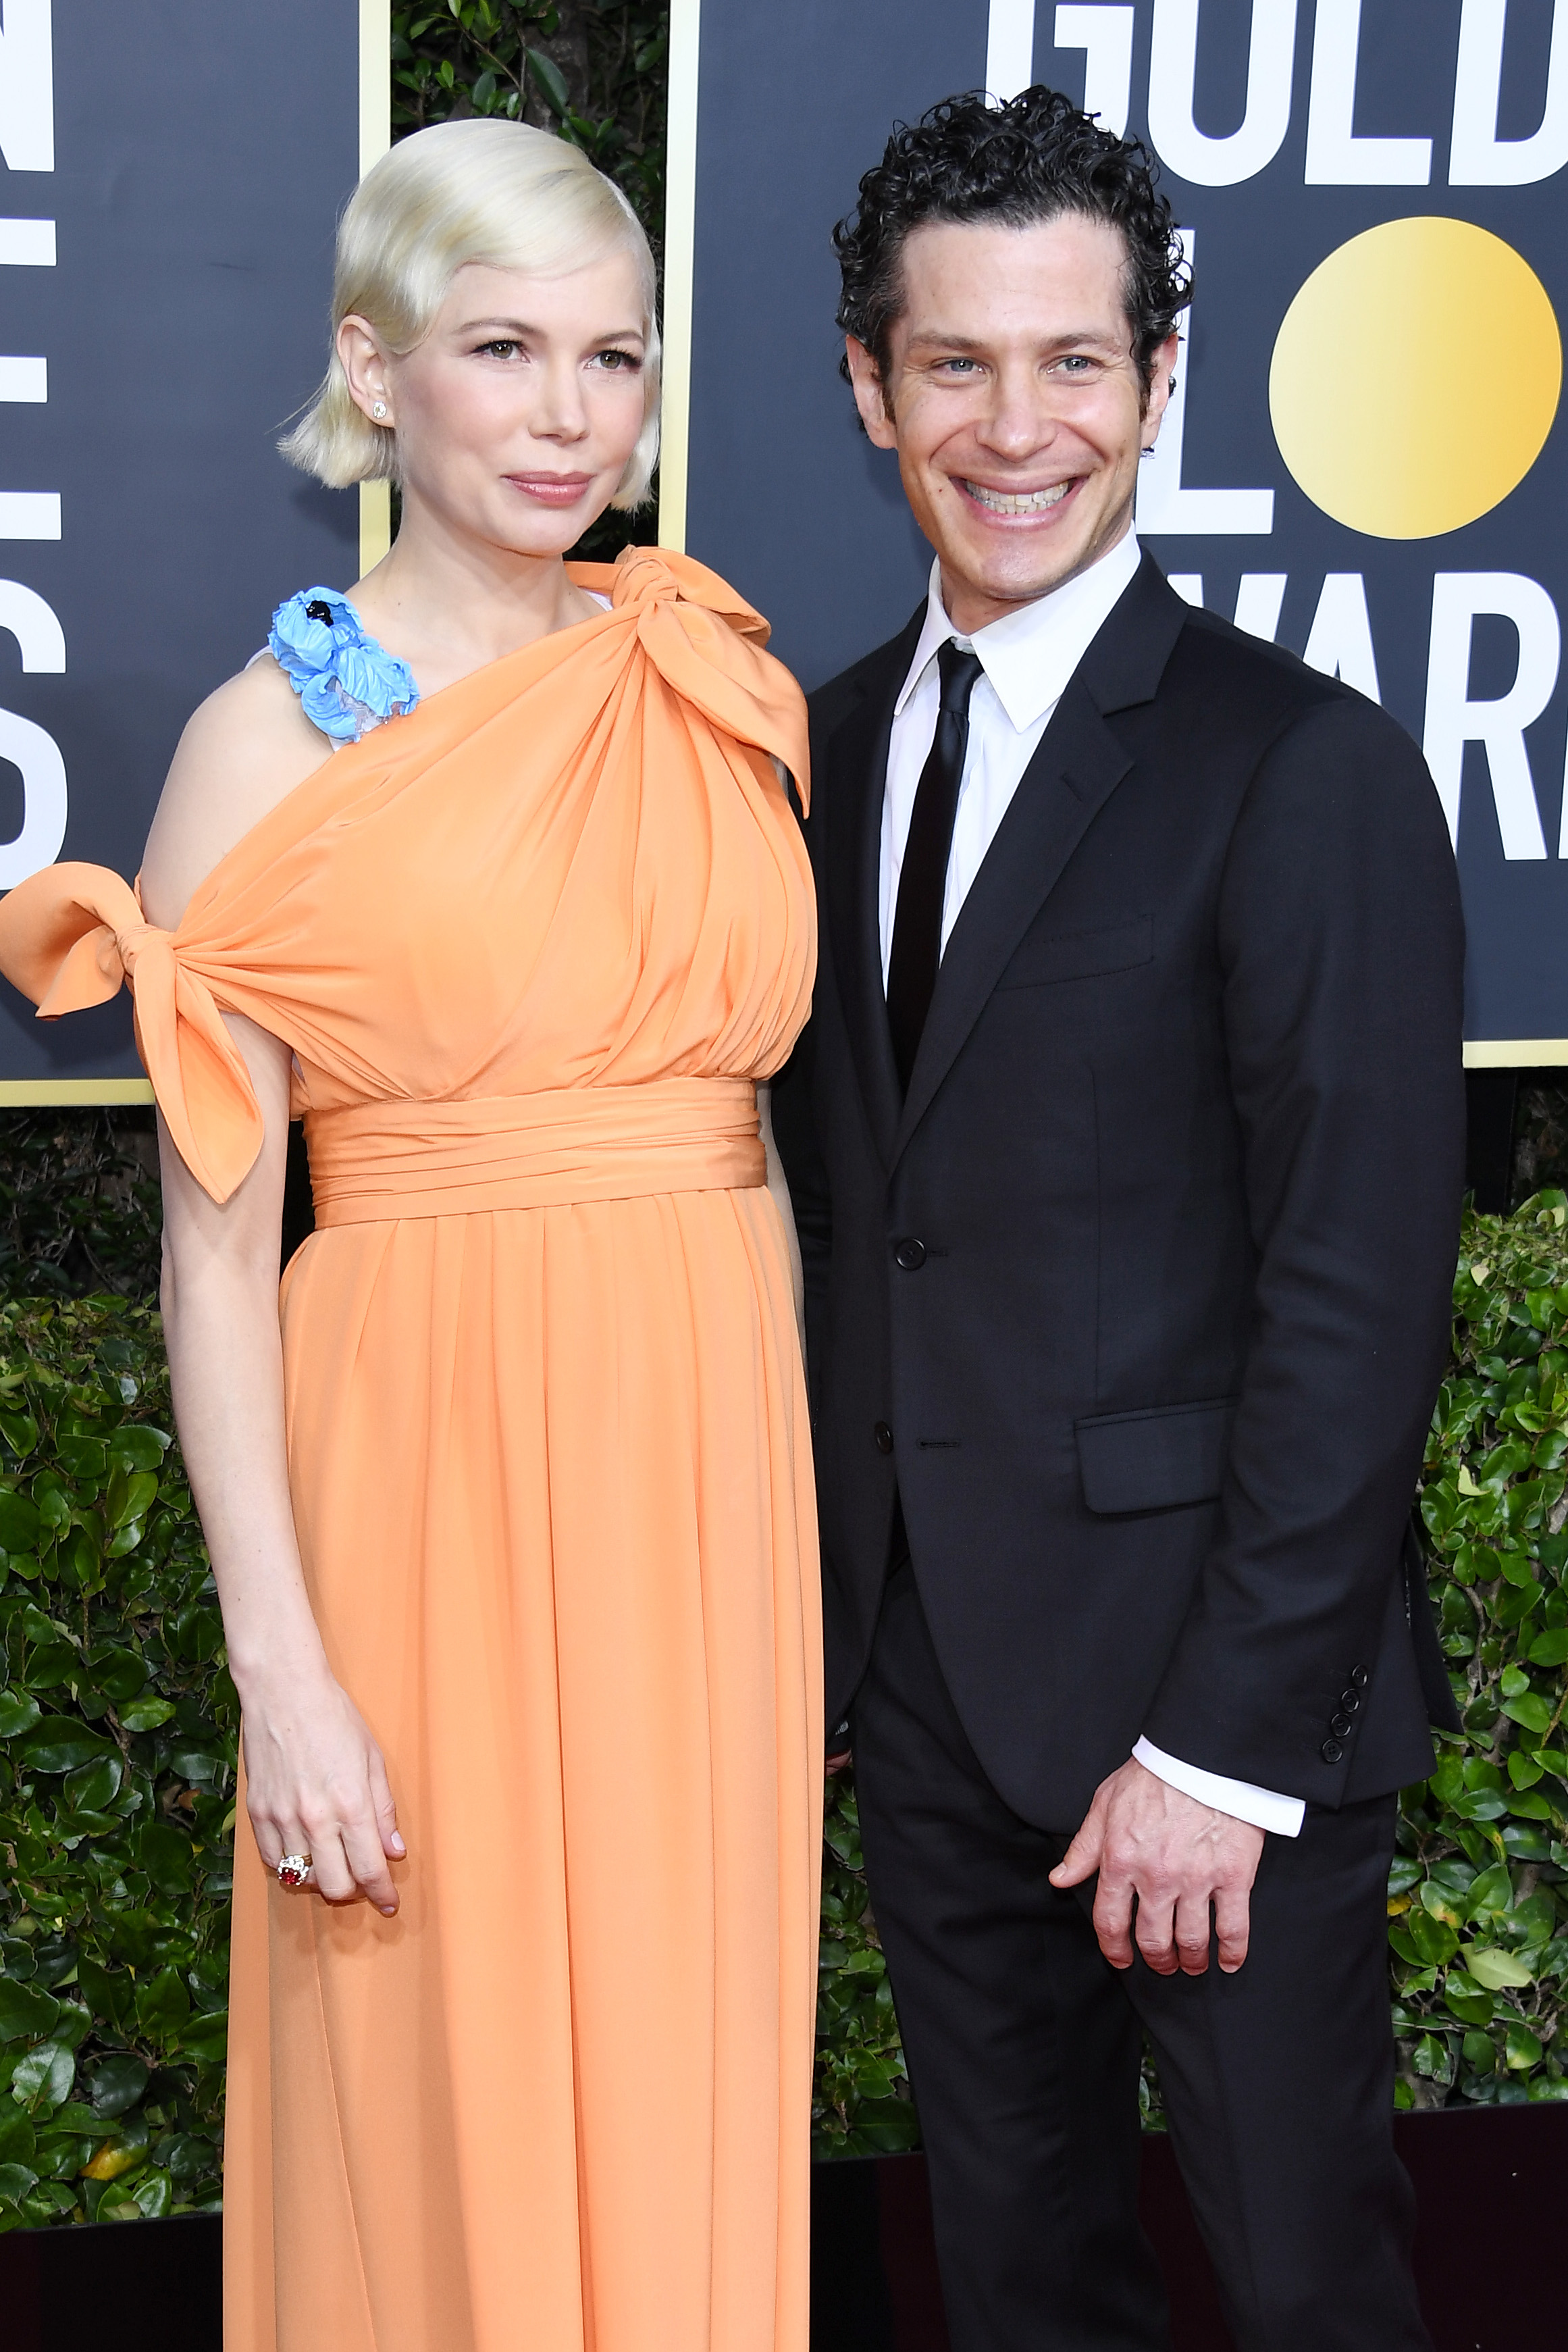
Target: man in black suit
1126, 1145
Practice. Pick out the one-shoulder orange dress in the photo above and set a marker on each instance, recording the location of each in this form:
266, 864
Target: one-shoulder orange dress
531, 946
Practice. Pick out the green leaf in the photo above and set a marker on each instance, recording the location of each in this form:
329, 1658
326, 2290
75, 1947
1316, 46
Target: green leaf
1496, 1970
20, 1429
1522, 2050
119, 1675
1532, 1711
16, 2181
548, 78
95, 1786
145, 1714
59, 1744
1550, 1649
154, 2193
88, 1457
25, 2013
18, 1712
116, 2085
162, 2005
166, 1856
18, 1522
43, 2079
137, 1446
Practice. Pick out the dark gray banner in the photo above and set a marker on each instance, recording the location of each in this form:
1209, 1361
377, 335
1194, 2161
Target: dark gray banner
1363, 462
173, 174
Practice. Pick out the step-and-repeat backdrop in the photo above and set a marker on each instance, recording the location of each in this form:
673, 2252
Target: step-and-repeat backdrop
1362, 461
173, 174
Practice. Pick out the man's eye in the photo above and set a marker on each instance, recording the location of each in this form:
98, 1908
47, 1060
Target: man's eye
960, 367
1075, 364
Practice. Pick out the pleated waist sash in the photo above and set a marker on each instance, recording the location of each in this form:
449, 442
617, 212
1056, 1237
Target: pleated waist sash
373, 1162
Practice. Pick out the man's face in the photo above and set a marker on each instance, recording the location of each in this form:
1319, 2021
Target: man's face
1014, 402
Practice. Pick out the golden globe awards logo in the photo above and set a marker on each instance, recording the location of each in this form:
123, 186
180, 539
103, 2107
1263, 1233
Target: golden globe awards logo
1371, 198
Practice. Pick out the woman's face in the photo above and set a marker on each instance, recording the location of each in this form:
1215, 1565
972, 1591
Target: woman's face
517, 414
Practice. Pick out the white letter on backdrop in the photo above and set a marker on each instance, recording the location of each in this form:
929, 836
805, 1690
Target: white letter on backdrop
25, 616
1173, 69
1478, 158
26, 89
1010, 48
1164, 505
1106, 33
1336, 158
1453, 719
37, 756
1340, 640
1260, 601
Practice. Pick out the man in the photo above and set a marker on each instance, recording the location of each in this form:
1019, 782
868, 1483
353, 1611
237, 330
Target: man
1126, 1144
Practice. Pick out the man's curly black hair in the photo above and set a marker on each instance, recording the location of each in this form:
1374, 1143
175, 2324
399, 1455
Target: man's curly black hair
1031, 160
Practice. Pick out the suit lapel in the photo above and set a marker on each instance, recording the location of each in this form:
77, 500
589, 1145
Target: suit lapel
1078, 765
856, 778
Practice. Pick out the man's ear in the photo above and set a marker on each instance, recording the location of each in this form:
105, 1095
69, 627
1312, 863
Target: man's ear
866, 380
1162, 383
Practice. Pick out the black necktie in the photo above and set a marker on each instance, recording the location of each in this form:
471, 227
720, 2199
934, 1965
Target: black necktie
922, 882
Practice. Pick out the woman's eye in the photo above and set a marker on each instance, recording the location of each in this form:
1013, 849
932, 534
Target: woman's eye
502, 348
620, 362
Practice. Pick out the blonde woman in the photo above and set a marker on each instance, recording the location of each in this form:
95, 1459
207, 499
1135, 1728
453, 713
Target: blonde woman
487, 869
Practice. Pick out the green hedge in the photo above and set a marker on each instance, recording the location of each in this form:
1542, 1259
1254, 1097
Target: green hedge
118, 1728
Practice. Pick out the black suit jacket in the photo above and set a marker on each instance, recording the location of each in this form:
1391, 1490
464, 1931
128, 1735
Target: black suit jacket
1140, 1301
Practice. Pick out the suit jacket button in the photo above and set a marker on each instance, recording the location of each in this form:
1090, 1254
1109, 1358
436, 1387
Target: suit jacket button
1331, 1751
881, 1437
1360, 1678
910, 1254
1350, 1699
1339, 1725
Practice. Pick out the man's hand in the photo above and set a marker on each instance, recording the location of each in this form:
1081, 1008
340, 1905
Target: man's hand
1178, 1857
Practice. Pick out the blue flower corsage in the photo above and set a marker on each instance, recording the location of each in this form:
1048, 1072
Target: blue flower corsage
346, 682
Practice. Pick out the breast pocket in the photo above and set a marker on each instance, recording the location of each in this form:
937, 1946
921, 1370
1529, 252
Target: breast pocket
1047, 957
1158, 1459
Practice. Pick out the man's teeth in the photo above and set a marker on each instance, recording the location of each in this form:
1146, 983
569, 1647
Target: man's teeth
1012, 502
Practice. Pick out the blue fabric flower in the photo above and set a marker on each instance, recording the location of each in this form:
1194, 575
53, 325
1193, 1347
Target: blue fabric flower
346, 682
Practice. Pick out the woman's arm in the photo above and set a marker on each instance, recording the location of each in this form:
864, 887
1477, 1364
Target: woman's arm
316, 1781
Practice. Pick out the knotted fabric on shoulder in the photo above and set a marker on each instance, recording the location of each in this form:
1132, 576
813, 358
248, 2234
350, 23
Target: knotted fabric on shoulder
378, 939
69, 937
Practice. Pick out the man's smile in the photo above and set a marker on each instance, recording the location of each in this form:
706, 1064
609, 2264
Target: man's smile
1017, 502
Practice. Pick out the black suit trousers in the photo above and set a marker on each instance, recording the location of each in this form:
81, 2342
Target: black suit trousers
1023, 2047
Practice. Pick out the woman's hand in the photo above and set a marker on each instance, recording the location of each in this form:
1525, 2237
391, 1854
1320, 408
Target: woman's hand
316, 1783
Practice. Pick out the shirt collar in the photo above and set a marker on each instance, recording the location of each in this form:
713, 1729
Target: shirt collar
1029, 655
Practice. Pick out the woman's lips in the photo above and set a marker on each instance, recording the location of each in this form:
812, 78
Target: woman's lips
551, 489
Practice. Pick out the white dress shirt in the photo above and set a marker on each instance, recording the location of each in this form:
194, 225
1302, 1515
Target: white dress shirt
1027, 658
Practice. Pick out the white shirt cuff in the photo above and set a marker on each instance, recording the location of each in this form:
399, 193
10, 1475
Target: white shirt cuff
1264, 1808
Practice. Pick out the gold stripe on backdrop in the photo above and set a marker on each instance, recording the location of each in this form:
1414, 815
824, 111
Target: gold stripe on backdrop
28, 1093
680, 241
1515, 1052
375, 138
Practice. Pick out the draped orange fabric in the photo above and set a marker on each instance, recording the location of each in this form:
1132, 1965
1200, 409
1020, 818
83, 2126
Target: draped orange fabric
531, 946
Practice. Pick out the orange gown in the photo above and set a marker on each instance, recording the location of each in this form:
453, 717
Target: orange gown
531, 946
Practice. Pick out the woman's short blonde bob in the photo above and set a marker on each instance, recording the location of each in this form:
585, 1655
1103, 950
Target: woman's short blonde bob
497, 192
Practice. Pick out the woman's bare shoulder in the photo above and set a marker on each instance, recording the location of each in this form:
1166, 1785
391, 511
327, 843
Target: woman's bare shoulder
244, 751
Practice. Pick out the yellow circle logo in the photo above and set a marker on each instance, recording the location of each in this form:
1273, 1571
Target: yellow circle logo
1415, 377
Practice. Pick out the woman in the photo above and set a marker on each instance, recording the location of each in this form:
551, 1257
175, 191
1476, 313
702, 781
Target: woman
489, 872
